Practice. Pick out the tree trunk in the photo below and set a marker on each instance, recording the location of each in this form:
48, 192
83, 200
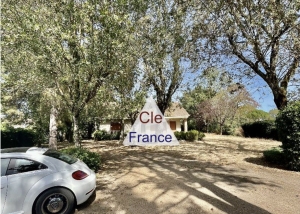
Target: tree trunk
53, 129
76, 130
280, 99
122, 130
221, 129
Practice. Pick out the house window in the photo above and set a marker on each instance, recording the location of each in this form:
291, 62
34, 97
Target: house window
115, 126
173, 125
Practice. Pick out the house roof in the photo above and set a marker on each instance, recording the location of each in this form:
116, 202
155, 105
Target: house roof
176, 110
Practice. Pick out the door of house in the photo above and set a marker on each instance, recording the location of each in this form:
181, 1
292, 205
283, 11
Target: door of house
172, 125
115, 126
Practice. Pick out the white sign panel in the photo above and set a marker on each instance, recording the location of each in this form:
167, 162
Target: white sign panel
150, 128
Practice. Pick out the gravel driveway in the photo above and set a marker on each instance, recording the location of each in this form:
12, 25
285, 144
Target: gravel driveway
220, 174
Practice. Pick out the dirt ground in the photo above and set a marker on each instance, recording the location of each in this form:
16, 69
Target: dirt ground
220, 174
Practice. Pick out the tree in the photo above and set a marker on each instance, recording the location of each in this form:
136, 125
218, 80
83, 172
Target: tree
163, 37
196, 100
273, 113
204, 114
24, 101
258, 115
262, 35
192, 97
77, 45
223, 106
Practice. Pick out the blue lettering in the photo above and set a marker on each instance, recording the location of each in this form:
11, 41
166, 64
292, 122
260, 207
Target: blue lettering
130, 136
160, 139
145, 138
168, 138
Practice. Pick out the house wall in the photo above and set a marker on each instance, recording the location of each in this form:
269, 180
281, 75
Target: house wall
106, 125
127, 126
178, 124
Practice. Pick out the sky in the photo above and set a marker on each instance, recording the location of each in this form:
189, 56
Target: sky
256, 86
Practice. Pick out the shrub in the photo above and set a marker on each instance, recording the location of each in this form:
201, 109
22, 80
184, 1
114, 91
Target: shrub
179, 135
104, 135
11, 137
192, 135
100, 135
201, 135
288, 125
115, 136
274, 155
91, 159
261, 129
183, 135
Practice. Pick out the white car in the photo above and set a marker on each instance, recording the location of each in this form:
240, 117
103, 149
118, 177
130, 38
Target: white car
42, 181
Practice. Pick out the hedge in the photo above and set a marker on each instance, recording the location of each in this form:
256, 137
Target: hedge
274, 155
288, 125
19, 137
261, 129
192, 135
104, 135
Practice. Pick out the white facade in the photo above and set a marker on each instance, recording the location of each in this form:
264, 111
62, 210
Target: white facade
106, 125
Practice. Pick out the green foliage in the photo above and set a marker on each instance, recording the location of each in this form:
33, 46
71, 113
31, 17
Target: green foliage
192, 135
261, 129
258, 115
180, 135
90, 45
274, 155
115, 135
164, 44
104, 135
191, 123
192, 97
19, 137
100, 135
234, 33
288, 125
201, 135
91, 159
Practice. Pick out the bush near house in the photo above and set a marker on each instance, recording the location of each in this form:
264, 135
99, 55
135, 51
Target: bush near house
274, 155
201, 135
190, 135
91, 159
104, 135
261, 129
179, 135
19, 137
288, 125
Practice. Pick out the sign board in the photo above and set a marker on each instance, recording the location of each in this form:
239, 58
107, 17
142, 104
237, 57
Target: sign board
150, 128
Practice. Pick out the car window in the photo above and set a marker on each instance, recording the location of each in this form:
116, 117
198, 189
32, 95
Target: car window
24, 165
61, 156
4, 165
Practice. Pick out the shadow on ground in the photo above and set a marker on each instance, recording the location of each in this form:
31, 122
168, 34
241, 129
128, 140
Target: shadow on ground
148, 181
211, 176
262, 162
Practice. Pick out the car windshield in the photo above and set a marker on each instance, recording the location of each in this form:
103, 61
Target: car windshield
60, 156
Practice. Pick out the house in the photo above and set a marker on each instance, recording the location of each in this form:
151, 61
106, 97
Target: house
175, 115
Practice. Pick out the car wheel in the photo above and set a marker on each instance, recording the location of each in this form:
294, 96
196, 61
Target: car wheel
55, 200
